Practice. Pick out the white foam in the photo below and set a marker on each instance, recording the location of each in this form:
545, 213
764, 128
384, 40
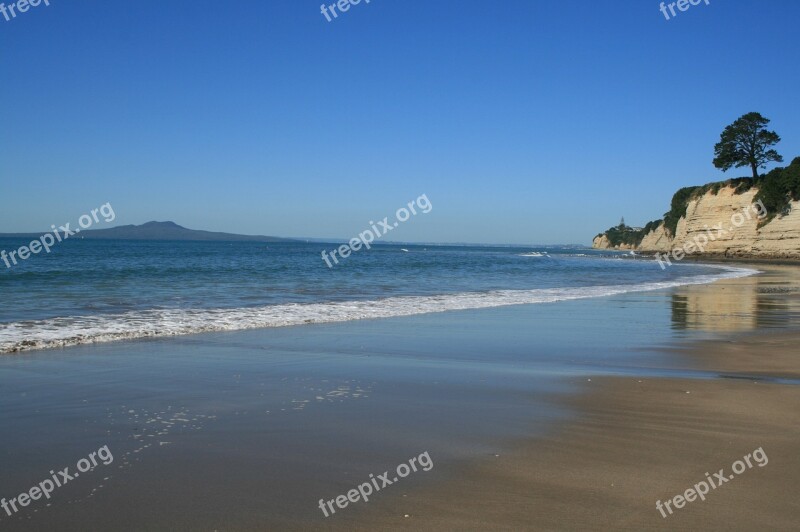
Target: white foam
534, 254
76, 330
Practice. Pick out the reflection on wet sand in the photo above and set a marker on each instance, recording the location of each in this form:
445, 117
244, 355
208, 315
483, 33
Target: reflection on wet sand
770, 299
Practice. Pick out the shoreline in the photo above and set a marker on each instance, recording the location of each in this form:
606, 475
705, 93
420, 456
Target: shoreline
636, 441
754, 259
164, 323
711, 257
522, 431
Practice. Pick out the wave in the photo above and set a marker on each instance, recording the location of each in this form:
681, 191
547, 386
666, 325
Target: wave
77, 330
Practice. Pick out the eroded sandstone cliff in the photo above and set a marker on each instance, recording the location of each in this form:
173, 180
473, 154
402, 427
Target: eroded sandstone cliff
726, 224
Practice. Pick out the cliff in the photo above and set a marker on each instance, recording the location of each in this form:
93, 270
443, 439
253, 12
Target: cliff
728, 219
722, 220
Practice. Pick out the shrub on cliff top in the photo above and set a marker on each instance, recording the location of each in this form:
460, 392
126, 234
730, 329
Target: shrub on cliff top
622, 234
791, 179
777, 188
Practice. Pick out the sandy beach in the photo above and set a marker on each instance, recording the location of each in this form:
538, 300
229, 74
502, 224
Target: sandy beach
525, 430
636, 442
641, 440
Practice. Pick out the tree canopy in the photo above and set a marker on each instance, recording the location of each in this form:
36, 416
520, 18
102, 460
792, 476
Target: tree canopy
747, 142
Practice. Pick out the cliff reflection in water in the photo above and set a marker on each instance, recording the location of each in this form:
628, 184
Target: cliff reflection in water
768, 300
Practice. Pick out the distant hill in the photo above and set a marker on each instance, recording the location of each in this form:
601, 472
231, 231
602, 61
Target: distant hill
160, 231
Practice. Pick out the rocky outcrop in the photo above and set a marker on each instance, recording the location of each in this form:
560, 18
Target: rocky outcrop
726, 224
657, 239
602, 242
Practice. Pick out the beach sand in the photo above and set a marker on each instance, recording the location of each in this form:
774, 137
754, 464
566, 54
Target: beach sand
638, 440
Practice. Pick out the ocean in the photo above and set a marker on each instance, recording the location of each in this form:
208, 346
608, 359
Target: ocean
92, 291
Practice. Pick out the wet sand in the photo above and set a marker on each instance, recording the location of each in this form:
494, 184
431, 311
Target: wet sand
638, 440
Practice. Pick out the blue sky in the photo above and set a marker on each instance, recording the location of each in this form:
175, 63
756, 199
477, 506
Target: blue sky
522, 121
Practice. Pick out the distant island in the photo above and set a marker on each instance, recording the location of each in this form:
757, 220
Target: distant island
160, 231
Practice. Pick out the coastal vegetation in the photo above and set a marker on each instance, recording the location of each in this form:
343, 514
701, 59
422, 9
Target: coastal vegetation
777, 188
747, 142
631, 236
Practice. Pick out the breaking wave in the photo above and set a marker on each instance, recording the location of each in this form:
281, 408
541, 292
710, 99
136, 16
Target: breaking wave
77, 330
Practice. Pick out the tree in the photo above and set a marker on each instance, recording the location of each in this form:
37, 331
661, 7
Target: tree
747, 142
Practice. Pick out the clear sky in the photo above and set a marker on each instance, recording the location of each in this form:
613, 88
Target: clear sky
524, 121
